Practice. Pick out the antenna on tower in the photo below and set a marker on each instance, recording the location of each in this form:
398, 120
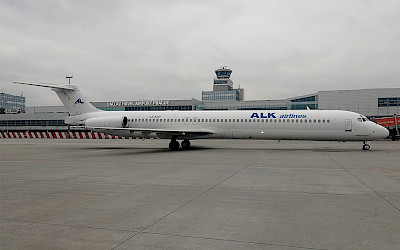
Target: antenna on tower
69, 78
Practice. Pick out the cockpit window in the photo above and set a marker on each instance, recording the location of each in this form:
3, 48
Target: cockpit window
359, 119
364, 119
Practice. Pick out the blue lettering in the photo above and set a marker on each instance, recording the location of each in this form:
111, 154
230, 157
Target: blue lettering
79, 101
254, 115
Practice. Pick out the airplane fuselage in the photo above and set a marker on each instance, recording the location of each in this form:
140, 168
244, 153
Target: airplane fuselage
321, 125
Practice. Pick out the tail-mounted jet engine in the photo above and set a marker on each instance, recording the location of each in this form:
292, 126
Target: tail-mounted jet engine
107, 122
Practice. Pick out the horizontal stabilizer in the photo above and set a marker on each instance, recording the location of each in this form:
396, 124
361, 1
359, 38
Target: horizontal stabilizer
48, 85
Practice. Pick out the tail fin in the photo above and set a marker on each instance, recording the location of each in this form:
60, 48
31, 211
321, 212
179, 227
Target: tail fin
70, 96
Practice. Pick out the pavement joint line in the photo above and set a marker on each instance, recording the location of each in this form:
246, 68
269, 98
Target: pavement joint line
365, 184
230, 240
193, 199
69, 225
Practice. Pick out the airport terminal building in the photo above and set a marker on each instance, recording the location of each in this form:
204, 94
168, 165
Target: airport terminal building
373, 103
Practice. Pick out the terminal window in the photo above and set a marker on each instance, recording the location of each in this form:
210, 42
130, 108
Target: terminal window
389, 102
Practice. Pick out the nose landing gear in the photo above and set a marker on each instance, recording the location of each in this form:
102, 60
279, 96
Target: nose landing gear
366, 146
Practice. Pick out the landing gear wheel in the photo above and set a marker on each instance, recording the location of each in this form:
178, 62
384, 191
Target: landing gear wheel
174, 145
185, 144
366, 147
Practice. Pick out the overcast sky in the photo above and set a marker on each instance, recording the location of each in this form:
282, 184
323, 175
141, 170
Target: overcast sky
135, 50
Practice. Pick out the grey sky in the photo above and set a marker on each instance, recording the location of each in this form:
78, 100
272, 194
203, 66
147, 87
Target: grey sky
131, 50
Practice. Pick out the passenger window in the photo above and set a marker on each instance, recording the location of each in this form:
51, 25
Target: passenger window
319, 121
275, 120
213, 120
229, 120
283, 120
249, 120
190, 120
301, 121
297, 120
241, 120
305, 121
328, 121
202, 120
245, 120
292, 121
323, 121
262, 120
315, 121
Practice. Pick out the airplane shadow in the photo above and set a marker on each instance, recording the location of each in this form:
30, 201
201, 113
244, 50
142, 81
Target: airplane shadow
146, 150
142, 150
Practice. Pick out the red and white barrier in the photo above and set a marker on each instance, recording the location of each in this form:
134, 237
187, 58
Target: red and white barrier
60, 135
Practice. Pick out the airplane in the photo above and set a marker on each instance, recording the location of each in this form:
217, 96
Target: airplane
316, 125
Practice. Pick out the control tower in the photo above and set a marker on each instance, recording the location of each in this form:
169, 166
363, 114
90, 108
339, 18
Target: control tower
223, 87
223, 81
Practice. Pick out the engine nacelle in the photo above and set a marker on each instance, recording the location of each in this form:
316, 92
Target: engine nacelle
108, 122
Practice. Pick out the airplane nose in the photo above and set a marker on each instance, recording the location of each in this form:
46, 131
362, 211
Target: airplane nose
383, 132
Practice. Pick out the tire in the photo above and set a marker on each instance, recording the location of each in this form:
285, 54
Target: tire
174, 146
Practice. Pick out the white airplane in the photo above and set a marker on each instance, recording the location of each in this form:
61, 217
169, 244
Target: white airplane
318, 125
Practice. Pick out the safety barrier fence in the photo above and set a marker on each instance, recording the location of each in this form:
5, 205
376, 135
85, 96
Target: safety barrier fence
60, 135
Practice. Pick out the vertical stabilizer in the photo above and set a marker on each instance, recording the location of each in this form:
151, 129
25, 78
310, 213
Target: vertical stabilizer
74, 101
71, 97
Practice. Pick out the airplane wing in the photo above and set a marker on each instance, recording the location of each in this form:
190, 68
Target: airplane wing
171, 132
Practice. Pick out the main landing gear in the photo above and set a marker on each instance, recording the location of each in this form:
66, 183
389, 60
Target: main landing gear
174, 144
366, 146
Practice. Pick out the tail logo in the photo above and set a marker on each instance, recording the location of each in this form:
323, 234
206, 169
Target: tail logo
79, 101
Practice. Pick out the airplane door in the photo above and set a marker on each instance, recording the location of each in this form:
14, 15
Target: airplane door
348, 126
186, 121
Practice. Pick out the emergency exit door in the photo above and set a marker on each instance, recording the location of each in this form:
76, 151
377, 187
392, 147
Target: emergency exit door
348, 126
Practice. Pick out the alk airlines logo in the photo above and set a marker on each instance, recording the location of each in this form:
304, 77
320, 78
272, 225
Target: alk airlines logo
272, 115
79, 101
